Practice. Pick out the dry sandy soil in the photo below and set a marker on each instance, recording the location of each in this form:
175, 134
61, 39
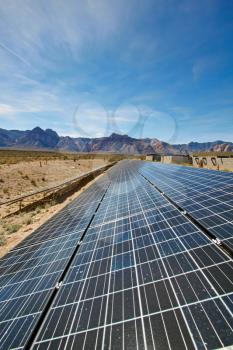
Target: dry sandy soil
18, 180
25, 177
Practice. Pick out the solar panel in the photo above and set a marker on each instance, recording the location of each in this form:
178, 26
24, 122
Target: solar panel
207, 195
31, 271
143, 275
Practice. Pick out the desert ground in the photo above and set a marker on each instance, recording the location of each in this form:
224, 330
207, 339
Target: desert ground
24, 176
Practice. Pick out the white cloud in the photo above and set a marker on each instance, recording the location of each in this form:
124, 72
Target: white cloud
6, 109
7, 112
32, 30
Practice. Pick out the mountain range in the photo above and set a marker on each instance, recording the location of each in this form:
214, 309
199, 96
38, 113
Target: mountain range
38, 138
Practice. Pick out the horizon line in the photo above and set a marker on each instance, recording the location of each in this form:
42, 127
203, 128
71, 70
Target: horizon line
117, 133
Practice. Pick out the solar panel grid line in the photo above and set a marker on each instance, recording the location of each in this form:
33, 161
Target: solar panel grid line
34, 267
218, 285
42, 240
74, 314
196, 222
125, 241
194, 184
43, 256
42, 251
176, 299
108, 276
193, 196
26, 301
108, 291
143, 315
214, 264
107, 295
22, 316
159, 312
136, 327
201, 270
26, 270
27, 317
60, 269
20, 287
111, 325
123, 216
214, 173
168, 240
195, 171
54, 221
34, 334
146, 246
219, 225
23, 251
117, 204
41, 228
130, 214
39, 270
138, 289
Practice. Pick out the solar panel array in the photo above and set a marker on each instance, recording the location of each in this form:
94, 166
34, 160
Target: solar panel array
30, 272
206, 195
134, 271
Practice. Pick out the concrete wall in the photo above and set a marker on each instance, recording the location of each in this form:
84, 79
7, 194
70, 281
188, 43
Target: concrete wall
213, 162
150, 158
153, 157
176, 159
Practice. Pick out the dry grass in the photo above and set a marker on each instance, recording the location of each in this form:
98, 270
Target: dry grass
22, 173
8, 156
15, 228
24, 177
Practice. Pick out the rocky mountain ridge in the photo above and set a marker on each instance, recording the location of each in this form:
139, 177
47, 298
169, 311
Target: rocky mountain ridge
115, 143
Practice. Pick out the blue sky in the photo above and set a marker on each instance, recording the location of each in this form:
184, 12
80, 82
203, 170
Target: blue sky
152, 68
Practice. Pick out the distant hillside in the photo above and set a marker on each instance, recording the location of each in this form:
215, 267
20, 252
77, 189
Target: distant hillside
49, 139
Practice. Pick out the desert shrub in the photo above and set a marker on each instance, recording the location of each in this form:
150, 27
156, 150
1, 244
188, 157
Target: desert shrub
53, 202
47, 205
12, 228
1, 180
33, 182
27, 220
5, 190
38, 210
2, 239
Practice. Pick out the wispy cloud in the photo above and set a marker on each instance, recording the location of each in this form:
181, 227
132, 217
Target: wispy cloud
14, 54
6, 109
129, 62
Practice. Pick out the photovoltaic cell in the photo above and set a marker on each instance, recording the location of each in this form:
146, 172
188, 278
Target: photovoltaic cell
30, 272
144, 275
207, 195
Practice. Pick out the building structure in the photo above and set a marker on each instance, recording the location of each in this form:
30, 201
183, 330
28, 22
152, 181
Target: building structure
176, 159
153, 157
213, 160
